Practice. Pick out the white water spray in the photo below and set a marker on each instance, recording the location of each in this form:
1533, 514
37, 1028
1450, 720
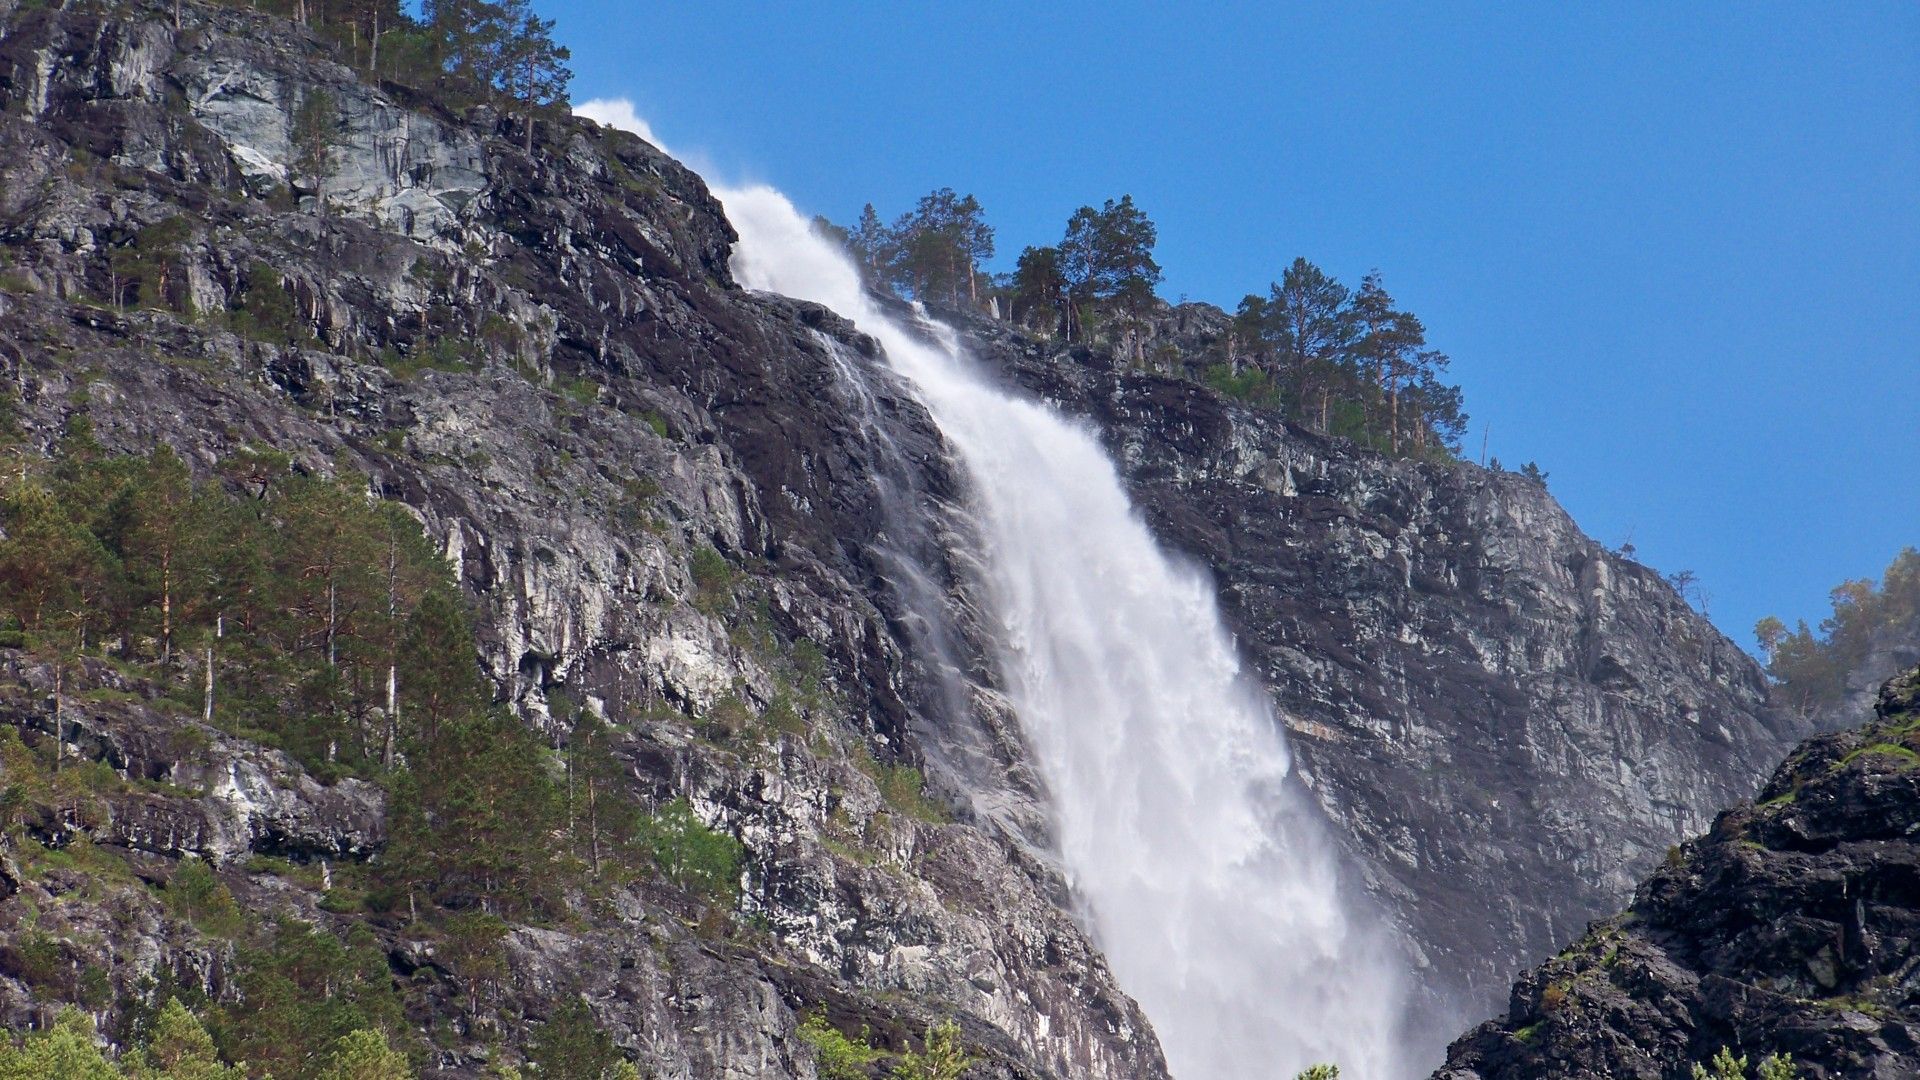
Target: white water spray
1209, 884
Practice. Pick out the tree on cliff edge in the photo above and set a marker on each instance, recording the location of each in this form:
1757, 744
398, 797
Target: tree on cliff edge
533, 70
503, 48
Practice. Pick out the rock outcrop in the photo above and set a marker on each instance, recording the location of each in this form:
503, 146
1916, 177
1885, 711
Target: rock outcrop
1792, 928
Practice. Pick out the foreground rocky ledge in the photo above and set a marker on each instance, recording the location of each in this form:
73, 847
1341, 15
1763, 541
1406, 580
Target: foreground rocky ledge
1793, 927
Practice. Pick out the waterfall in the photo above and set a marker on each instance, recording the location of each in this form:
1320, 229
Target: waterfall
1206, 878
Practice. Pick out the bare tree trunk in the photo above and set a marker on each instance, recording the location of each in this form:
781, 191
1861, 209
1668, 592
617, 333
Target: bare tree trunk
593, 826
59, 716
332, 622
393, 649
219, 631
166, 607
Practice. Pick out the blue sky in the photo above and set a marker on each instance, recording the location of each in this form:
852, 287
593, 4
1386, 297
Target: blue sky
1673, 249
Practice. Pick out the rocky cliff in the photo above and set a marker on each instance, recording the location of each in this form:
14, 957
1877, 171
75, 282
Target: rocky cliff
1787, 929
544, 357
1507, 720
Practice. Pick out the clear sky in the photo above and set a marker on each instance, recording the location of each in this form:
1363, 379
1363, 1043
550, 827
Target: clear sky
1674, 249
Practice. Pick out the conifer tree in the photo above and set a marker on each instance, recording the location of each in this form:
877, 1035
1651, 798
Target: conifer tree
1106, 258
314, 135
1039, 287
532, 69
873, 244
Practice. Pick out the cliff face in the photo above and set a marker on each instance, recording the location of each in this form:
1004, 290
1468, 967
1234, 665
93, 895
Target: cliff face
1507, 721
545, 358
1790, 928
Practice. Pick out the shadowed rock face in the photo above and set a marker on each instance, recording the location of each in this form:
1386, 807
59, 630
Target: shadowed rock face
1793, 927
1505, 722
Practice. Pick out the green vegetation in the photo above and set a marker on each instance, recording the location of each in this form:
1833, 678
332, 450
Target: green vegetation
1811, 666
177, 1046
836, 1056
713, 578
569, 1046
1318, 1072
301, 613
1249, 384
147, 270
467, 50
196, 896
315, 134
941, 1056
691, 855
1725, 1066
444, 354
933, 252
365, 1055
264, 310
1343, 361
301, 992
1903, 754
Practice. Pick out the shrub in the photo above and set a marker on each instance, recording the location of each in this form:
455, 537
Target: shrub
837, 1057
712, 578
940, 1058
691, 855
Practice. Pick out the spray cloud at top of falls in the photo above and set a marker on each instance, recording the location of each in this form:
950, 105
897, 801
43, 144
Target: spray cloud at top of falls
1207, 880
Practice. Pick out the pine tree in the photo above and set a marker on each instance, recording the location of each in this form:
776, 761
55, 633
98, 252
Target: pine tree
1039, 287
179, 1048
365, 1055
1106, 258
1304, 329
532, 69
315, 134
570, 1046
66, 1050
874, 245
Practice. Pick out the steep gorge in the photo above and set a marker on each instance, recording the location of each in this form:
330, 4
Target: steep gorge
1502, 722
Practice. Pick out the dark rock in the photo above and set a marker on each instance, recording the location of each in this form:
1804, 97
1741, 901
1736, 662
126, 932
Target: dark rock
1793, 927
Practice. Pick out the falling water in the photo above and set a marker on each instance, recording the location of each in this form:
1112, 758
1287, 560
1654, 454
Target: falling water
1207, 880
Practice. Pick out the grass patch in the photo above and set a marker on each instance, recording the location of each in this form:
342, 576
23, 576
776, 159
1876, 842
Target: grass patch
1906, 755
903, 788
442, 355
